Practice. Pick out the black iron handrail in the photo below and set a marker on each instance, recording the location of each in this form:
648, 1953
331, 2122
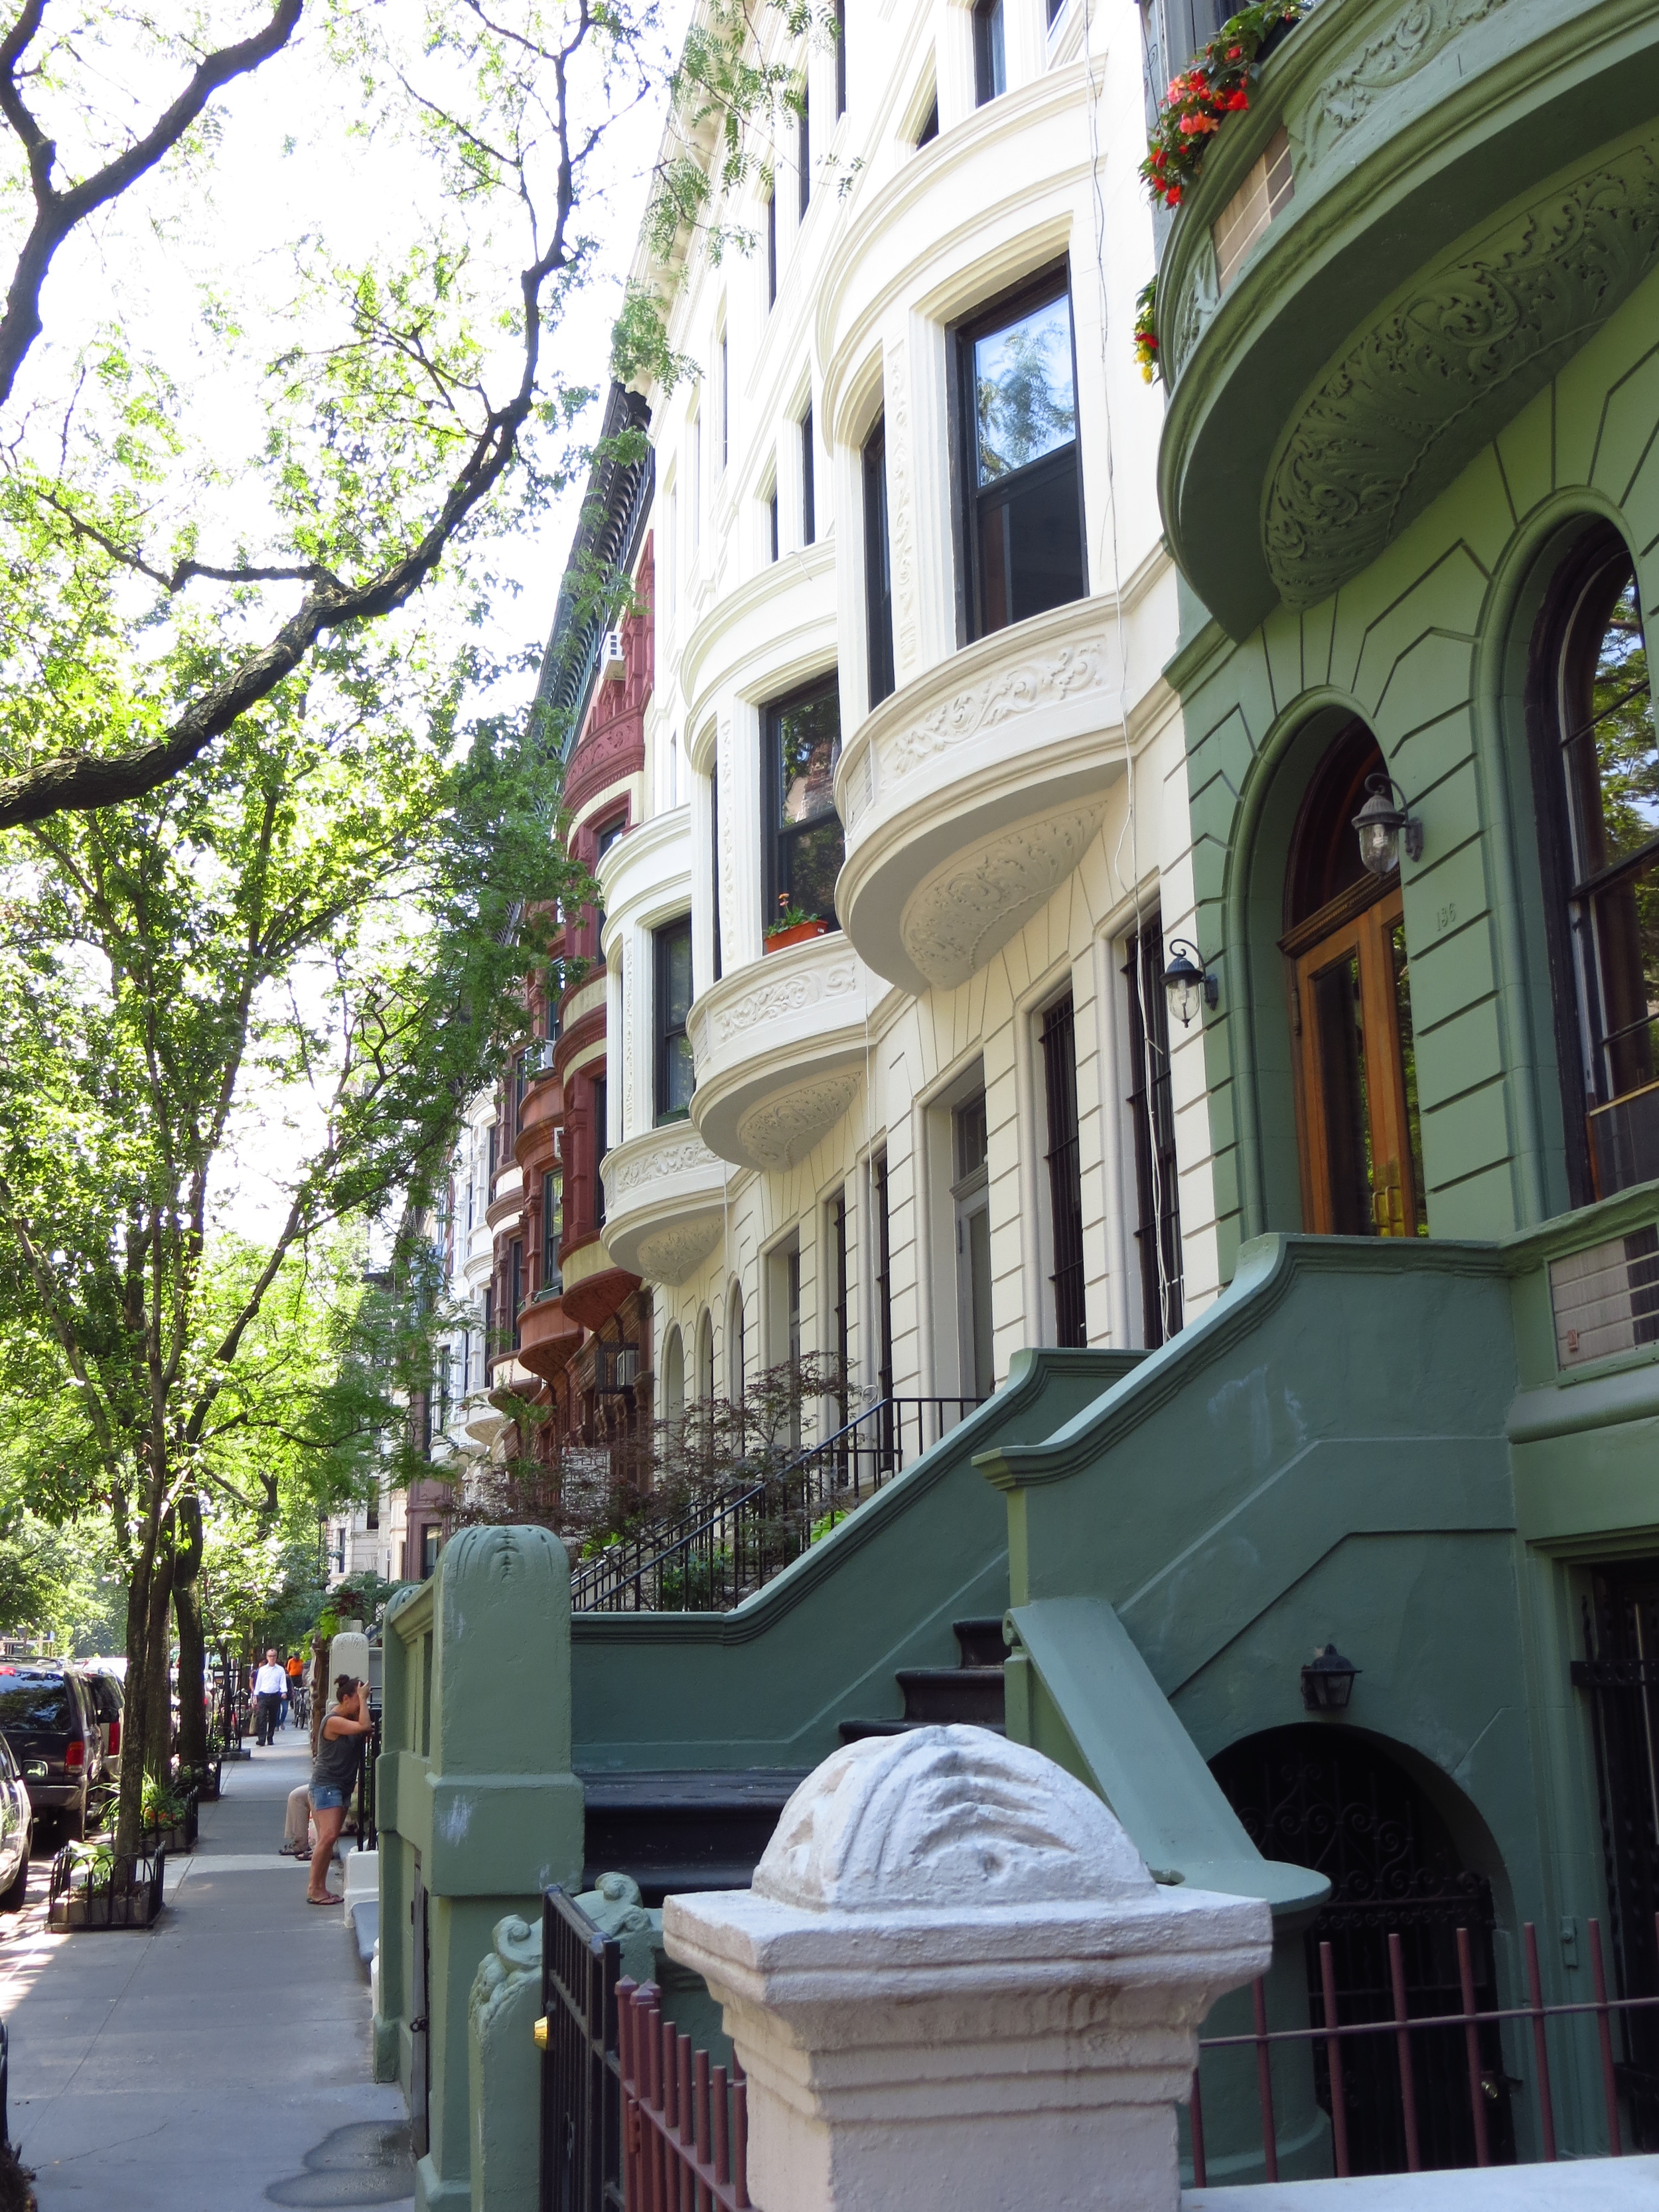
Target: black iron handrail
719, 1550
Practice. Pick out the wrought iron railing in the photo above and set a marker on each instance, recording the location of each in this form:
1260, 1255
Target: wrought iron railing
1430, 2051
685, 2123
719, 1550
581, 2147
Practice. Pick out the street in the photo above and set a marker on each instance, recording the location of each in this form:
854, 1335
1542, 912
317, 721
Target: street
218, 2063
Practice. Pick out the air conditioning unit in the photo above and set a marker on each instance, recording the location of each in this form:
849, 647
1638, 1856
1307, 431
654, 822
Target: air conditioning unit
613, 661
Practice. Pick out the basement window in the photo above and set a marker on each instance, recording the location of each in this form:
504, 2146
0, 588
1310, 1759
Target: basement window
1267, 188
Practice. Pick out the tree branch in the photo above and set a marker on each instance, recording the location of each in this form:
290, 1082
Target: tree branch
56, 213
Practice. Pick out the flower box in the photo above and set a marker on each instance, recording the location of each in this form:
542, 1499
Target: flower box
775, 939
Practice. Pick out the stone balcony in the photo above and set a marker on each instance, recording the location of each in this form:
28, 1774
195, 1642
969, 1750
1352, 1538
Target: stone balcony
971, 794
507, 1203
780, 1046
665, 1202
540, 1113
1473, 188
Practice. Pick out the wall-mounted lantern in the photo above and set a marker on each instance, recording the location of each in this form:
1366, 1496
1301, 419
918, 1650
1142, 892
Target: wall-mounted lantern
1327, 1684
1381, 824
1188, 984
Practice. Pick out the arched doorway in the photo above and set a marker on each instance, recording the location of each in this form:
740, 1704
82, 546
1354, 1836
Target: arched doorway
1357, 1125
1333, 1800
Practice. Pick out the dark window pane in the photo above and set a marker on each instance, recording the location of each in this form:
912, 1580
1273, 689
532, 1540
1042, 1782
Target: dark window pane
809, 862
43, 1703
1025, 404
990, 66
1152, 1110
929, 130
877, 572
969, 1129
1065, 1174
1340, 1023
1613, 760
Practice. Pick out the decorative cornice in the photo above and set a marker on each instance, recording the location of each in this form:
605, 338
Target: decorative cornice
771, 999
1453, 356
1422, 30
783, 1128
650, 1162
958, 916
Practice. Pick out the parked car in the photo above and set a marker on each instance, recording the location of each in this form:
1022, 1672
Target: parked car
48, 1719
108, 1698
16, 1832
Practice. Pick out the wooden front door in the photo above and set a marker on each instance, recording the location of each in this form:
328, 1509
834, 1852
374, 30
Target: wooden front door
1350, 1021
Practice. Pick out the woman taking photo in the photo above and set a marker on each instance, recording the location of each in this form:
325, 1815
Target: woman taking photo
334, 1776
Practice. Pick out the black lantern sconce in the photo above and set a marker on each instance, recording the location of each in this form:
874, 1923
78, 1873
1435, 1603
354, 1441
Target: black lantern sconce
1382, 823
1186, 983
1327, 1684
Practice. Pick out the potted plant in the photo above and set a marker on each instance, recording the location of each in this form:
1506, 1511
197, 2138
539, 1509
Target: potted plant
94, 1886
794, 925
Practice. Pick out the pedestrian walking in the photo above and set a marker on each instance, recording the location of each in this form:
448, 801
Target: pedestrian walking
334, 1776
270, 1686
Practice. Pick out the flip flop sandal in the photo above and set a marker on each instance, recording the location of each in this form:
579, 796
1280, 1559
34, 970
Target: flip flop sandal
325, 1901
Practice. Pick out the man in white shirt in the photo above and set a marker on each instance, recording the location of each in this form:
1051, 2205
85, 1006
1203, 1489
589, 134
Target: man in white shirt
269, 1687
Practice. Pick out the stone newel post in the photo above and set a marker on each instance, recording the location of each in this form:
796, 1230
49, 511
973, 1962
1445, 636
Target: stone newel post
954, 1984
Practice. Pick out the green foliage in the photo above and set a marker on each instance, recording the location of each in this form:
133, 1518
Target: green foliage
1200, 98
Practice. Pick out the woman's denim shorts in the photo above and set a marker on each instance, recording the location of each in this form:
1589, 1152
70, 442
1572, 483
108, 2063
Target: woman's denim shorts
326, 1798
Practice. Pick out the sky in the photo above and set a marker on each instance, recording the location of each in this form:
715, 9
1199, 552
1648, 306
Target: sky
288, 163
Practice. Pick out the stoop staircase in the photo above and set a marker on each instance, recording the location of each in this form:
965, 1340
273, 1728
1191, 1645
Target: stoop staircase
970, 1691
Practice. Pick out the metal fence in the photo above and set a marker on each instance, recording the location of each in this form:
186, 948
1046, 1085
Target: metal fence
1336, 2045
582, 2077
685, 2123
368, 1833
710, 1557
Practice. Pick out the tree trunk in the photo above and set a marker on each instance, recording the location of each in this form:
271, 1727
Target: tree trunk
192, 1650
158, 1748
135, 1718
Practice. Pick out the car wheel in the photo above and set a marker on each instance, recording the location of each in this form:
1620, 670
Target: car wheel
13, 1896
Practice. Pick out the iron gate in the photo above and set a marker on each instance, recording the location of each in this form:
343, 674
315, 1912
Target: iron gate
1620, 1671
582, 2074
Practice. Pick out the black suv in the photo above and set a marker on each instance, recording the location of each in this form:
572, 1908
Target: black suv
48, 1718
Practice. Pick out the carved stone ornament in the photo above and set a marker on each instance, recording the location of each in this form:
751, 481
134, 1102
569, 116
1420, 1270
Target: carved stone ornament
653, 1163
1197, 309
1040, 679
669, 1256
1422, 29
782, 1130
952, 1817
966, 910
787, 995
1411, 402
901, 507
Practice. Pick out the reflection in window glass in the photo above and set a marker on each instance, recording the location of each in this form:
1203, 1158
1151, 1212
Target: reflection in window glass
675, 1072
1024, 401
806, 832
1611, 758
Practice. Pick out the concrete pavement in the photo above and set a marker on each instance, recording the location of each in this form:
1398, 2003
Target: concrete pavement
216, 2064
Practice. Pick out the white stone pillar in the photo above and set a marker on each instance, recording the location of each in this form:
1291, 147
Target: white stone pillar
954, 1987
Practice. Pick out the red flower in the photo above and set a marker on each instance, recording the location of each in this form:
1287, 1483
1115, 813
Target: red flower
1234, 53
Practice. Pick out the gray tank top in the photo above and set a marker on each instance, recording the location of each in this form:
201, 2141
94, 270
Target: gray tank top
336, 1766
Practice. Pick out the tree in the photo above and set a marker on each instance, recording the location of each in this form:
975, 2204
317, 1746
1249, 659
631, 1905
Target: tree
416, 389
322, 913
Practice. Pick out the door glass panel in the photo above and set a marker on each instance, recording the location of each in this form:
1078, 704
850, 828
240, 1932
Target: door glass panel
1338, 1021
979, 1297
1402, 1015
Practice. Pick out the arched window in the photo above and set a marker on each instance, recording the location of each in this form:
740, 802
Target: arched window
706, 1356
734, 1364
1357, 1125
673, 1375
1596, 752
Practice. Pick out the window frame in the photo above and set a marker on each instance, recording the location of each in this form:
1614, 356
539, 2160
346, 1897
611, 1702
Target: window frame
878, 567
809, 500
1032, 293
773, 835
664, 1034
990, 50
1056, 1026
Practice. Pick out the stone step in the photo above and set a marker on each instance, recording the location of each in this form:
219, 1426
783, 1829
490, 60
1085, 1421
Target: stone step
980, 1641
935, 1695
683, 1828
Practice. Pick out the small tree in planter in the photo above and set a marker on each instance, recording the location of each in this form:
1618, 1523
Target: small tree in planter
94, 1886
169, 1818
794, 925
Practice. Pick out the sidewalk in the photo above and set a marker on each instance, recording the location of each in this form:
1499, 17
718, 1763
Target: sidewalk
218, 2064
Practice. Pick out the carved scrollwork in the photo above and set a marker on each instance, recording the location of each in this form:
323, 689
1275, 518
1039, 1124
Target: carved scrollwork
783, 1130
1409, 403
1423, 29
900, 508
669, 1256
654, 1163
961, 914
1197, 310
773, 1001
1038, 680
